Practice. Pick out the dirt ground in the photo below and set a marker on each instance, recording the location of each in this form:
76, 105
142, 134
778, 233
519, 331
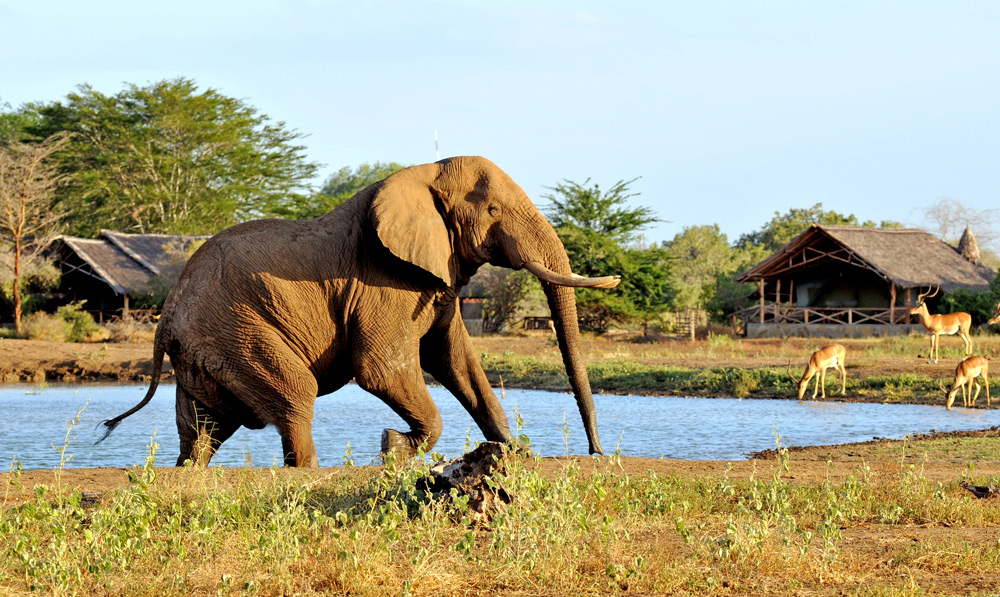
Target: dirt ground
35, 361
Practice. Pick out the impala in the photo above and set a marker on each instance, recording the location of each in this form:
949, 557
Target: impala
950, 323
995, 318
965, 377
819, 362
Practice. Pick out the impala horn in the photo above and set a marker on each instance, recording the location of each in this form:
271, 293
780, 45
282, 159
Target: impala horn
573, 280
788, 370
923, 296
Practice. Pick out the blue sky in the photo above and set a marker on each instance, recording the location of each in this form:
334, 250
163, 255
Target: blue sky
728, 111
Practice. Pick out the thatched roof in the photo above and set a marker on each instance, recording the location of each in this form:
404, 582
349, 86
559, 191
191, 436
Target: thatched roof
125, 262
908, 258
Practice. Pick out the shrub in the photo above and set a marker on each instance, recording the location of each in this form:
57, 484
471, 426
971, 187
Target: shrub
42, 326
69, 324
81, 325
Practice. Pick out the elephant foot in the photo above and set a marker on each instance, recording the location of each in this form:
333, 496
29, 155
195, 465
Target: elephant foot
398, 444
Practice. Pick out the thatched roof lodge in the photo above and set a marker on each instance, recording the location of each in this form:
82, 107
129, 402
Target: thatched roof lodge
105, 271
838, 281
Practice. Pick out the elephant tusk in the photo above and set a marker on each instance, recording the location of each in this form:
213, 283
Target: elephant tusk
573, 280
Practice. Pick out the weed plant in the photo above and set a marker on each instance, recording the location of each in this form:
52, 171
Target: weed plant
587, 528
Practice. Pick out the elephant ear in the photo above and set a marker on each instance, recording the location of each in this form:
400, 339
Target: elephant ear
408, 223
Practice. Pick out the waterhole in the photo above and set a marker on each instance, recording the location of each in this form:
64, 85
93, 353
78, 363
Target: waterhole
40, 432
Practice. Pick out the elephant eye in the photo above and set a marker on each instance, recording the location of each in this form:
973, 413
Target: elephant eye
494, 210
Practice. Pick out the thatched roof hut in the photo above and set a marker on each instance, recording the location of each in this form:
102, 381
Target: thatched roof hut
105, 271
849, 274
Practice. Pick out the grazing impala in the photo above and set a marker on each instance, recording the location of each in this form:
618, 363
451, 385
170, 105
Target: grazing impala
819, 362
950, 323
965, 377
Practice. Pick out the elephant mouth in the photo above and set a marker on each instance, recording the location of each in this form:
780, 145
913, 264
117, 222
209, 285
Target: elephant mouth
573, 280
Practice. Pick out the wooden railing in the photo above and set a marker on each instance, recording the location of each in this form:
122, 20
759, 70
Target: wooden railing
112, 315
823, 315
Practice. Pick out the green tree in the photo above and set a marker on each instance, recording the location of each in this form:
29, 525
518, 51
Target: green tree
648, 286
601, 212
172, 159
730, 295
782, 228
14, 124
980, 305
701, 254
601, 235
341, 186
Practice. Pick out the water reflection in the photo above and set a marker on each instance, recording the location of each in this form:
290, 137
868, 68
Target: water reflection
684, 428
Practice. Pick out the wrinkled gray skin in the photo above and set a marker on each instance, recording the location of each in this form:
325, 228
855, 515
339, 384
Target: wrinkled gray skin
269, 314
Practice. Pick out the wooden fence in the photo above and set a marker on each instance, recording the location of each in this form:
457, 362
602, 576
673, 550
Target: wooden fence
822, 315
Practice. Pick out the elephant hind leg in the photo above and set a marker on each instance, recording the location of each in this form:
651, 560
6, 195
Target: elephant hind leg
278, 389
201, 429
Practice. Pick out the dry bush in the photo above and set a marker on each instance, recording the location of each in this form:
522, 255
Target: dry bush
42, 326
130, 330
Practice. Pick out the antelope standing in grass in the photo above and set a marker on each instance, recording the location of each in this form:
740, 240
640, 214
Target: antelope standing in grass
965, 377
819, 362
950, 323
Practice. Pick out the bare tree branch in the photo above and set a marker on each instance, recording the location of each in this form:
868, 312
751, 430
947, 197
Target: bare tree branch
28, 180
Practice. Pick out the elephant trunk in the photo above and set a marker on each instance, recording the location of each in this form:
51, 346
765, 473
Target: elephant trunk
562, 303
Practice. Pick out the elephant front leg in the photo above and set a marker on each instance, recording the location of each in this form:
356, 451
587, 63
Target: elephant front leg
449, 356
402, 388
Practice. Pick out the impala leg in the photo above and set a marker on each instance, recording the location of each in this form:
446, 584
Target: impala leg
816, 384
986, 382
843, 379
975, 397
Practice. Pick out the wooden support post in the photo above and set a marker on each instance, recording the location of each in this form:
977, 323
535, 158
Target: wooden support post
908, 305
777, 299
892, 302
760, 286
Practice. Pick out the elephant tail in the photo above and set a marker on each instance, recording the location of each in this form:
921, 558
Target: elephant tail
158, 352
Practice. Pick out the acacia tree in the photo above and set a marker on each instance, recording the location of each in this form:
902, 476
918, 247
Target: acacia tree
603, 213
339, 187
601, 236
28, 181
172, 159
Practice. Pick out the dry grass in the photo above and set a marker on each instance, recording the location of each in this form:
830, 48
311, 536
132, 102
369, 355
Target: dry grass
573, 528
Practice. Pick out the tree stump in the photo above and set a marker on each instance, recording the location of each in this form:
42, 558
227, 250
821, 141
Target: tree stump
469, 475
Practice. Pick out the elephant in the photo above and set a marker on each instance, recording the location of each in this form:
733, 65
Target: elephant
269, 314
